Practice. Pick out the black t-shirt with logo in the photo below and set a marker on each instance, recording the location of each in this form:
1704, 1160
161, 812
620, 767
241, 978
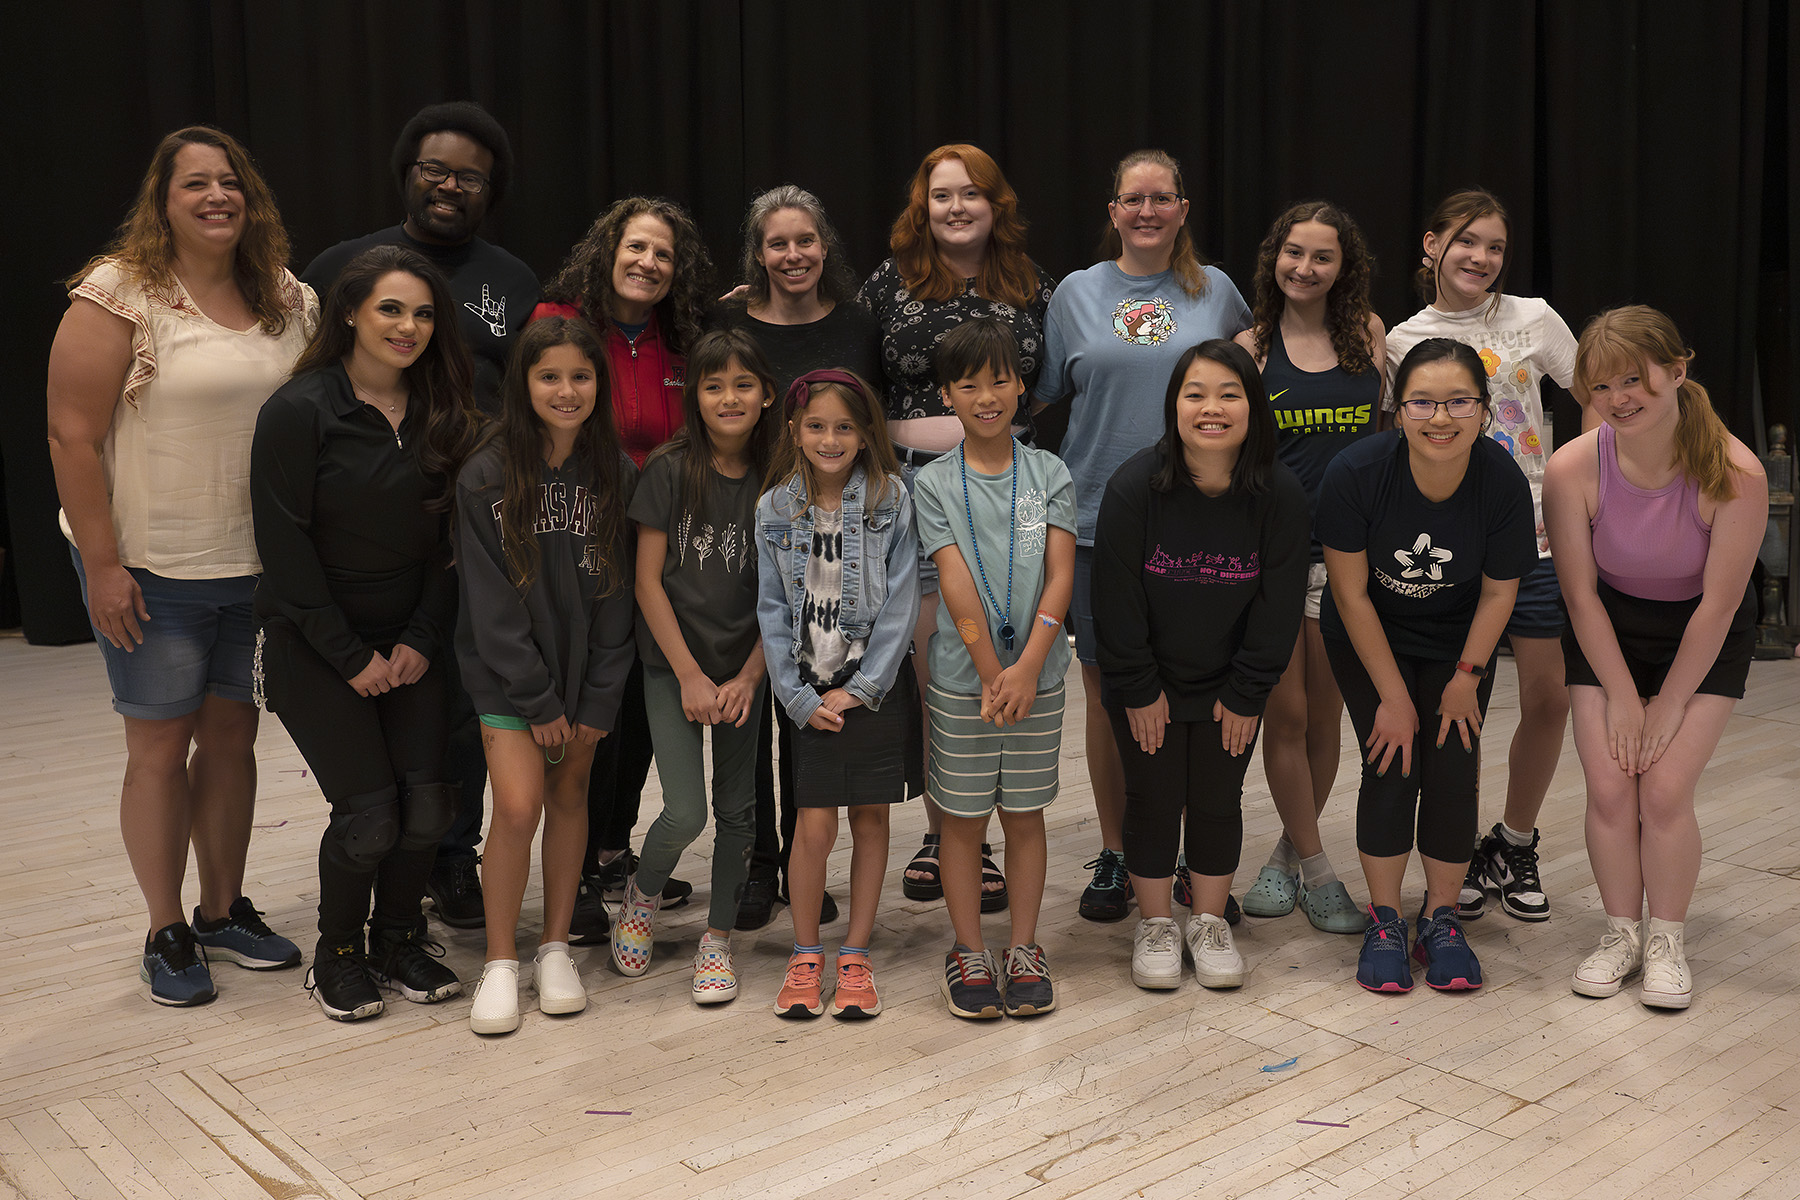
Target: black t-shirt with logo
1426, 558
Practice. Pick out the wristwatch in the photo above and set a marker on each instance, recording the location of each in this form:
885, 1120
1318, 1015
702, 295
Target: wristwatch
1478, 672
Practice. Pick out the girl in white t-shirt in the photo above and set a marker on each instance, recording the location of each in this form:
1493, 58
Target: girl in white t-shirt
1520, 340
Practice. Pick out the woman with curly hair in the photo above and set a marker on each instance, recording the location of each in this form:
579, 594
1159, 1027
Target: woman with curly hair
640, 278
1111, 339
352, 475
958, 253
173, 339
1320, 351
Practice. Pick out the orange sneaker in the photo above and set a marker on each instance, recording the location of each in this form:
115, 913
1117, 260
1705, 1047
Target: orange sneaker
855, 998
799, 995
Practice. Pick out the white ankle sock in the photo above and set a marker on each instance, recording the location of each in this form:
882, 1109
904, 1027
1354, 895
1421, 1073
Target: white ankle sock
1514, 836
1316, 872
1284, 859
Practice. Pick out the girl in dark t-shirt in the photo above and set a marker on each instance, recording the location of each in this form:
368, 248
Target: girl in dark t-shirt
1425, 540
1320, 350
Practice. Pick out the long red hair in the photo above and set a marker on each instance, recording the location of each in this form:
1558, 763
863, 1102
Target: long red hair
1006, 274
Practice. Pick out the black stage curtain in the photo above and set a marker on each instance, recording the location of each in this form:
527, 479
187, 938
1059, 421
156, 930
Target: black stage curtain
1647, 150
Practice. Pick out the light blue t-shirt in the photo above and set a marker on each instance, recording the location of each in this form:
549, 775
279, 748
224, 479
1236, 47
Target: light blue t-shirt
1110, 342
1046, 497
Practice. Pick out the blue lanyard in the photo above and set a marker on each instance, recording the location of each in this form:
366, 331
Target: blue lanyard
1007, 633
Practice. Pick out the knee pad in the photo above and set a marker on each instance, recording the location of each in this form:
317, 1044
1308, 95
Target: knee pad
363, 829
427, 810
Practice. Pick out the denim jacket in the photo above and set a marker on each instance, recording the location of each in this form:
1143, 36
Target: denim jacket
878, 603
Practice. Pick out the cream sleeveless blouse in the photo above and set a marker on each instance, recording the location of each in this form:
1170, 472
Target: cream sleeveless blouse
177, 458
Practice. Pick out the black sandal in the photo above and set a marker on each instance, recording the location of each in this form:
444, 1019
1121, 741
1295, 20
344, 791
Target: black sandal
926, 863
994, 901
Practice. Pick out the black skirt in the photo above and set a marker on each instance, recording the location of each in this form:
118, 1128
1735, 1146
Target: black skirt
876, 758
1649, 633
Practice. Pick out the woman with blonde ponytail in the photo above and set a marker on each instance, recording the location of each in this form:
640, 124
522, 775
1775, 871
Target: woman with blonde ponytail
1655, 517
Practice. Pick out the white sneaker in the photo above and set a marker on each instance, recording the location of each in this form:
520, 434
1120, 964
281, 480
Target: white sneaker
1217, 963
496, 1007
1620, 956
559, 987
1667, 981
715, 979
1156, 953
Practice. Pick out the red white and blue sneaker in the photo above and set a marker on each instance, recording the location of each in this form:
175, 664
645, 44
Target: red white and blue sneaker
1450, 966
1382, 966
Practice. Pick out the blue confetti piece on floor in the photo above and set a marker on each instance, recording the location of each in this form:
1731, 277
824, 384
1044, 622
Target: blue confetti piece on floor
1281, 1066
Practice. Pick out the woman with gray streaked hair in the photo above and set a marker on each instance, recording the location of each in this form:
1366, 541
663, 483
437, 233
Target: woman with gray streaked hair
798, 300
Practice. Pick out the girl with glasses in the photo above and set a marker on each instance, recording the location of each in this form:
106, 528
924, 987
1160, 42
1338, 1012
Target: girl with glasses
1425, 538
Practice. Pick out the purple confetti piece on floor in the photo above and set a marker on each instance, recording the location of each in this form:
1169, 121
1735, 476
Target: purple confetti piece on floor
1331, 1124
599, 1112
276, 825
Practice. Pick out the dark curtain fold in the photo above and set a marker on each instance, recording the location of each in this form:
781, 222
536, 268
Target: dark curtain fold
1647, 151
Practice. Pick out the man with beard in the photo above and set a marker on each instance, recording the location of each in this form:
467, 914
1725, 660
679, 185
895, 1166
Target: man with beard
452, 162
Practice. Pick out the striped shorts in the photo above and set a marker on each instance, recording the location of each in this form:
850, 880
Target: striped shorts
974, 764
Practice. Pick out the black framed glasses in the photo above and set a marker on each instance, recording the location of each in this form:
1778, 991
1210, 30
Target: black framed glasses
1160, 201
434, 173
1456, 406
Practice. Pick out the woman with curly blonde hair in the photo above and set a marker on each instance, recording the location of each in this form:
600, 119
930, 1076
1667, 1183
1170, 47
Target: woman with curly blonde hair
1320, 350
173, 339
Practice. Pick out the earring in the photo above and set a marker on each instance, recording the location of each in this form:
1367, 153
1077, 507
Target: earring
351, 322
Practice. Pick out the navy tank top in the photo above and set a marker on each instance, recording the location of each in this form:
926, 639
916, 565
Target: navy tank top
1317, 414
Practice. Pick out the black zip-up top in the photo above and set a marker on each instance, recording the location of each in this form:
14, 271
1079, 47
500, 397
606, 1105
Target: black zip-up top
561, 648
350, 556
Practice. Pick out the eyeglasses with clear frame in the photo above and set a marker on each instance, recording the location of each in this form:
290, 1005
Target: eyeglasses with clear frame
1160, 201
1456, 406
434, 173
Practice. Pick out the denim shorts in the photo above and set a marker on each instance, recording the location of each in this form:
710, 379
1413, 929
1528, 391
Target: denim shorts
1081, 607
1539, 611
910, 462
199, 640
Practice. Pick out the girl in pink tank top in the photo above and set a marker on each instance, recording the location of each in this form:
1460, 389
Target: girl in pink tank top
1655, 519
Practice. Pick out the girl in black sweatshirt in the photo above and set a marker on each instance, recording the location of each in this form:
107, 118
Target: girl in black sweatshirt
1200, 559
544, 638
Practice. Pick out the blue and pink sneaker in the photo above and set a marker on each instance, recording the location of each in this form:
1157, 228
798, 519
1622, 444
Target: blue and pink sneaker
1382, 967
1443, 950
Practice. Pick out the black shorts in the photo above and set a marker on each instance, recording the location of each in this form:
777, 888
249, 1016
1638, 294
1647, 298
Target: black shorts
1649, 633
876, 758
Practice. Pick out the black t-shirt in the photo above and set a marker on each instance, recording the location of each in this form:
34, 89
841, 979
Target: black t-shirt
709, 573
846, 338
1426, 558
1318, 414
494, 291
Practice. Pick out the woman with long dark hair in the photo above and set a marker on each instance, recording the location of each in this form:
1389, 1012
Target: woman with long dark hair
352, 472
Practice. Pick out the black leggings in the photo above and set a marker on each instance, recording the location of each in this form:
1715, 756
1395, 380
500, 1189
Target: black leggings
1192, 773
358, 747
774, 823
1443, 789
616, 782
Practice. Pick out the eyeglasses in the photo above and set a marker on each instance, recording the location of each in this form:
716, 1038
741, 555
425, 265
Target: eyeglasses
1160, 201
434, 173
1456, 406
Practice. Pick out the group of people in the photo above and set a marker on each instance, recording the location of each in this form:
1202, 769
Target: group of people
461, 534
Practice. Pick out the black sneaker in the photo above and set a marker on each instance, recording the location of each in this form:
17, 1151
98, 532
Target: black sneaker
1184, 892
455, 891
1471, 902
402, 959
1513, 870
1108, 897
1028, 989
341, 983
756, 907
174, 966
613, 876
969, 988
828, 908
589, 926
242, 937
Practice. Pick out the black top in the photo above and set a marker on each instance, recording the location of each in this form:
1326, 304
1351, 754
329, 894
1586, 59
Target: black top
1196, 596
494, 292
709, 573
1317, 415
910, 328
846, 338
561, 648
349, 554
1426, 558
